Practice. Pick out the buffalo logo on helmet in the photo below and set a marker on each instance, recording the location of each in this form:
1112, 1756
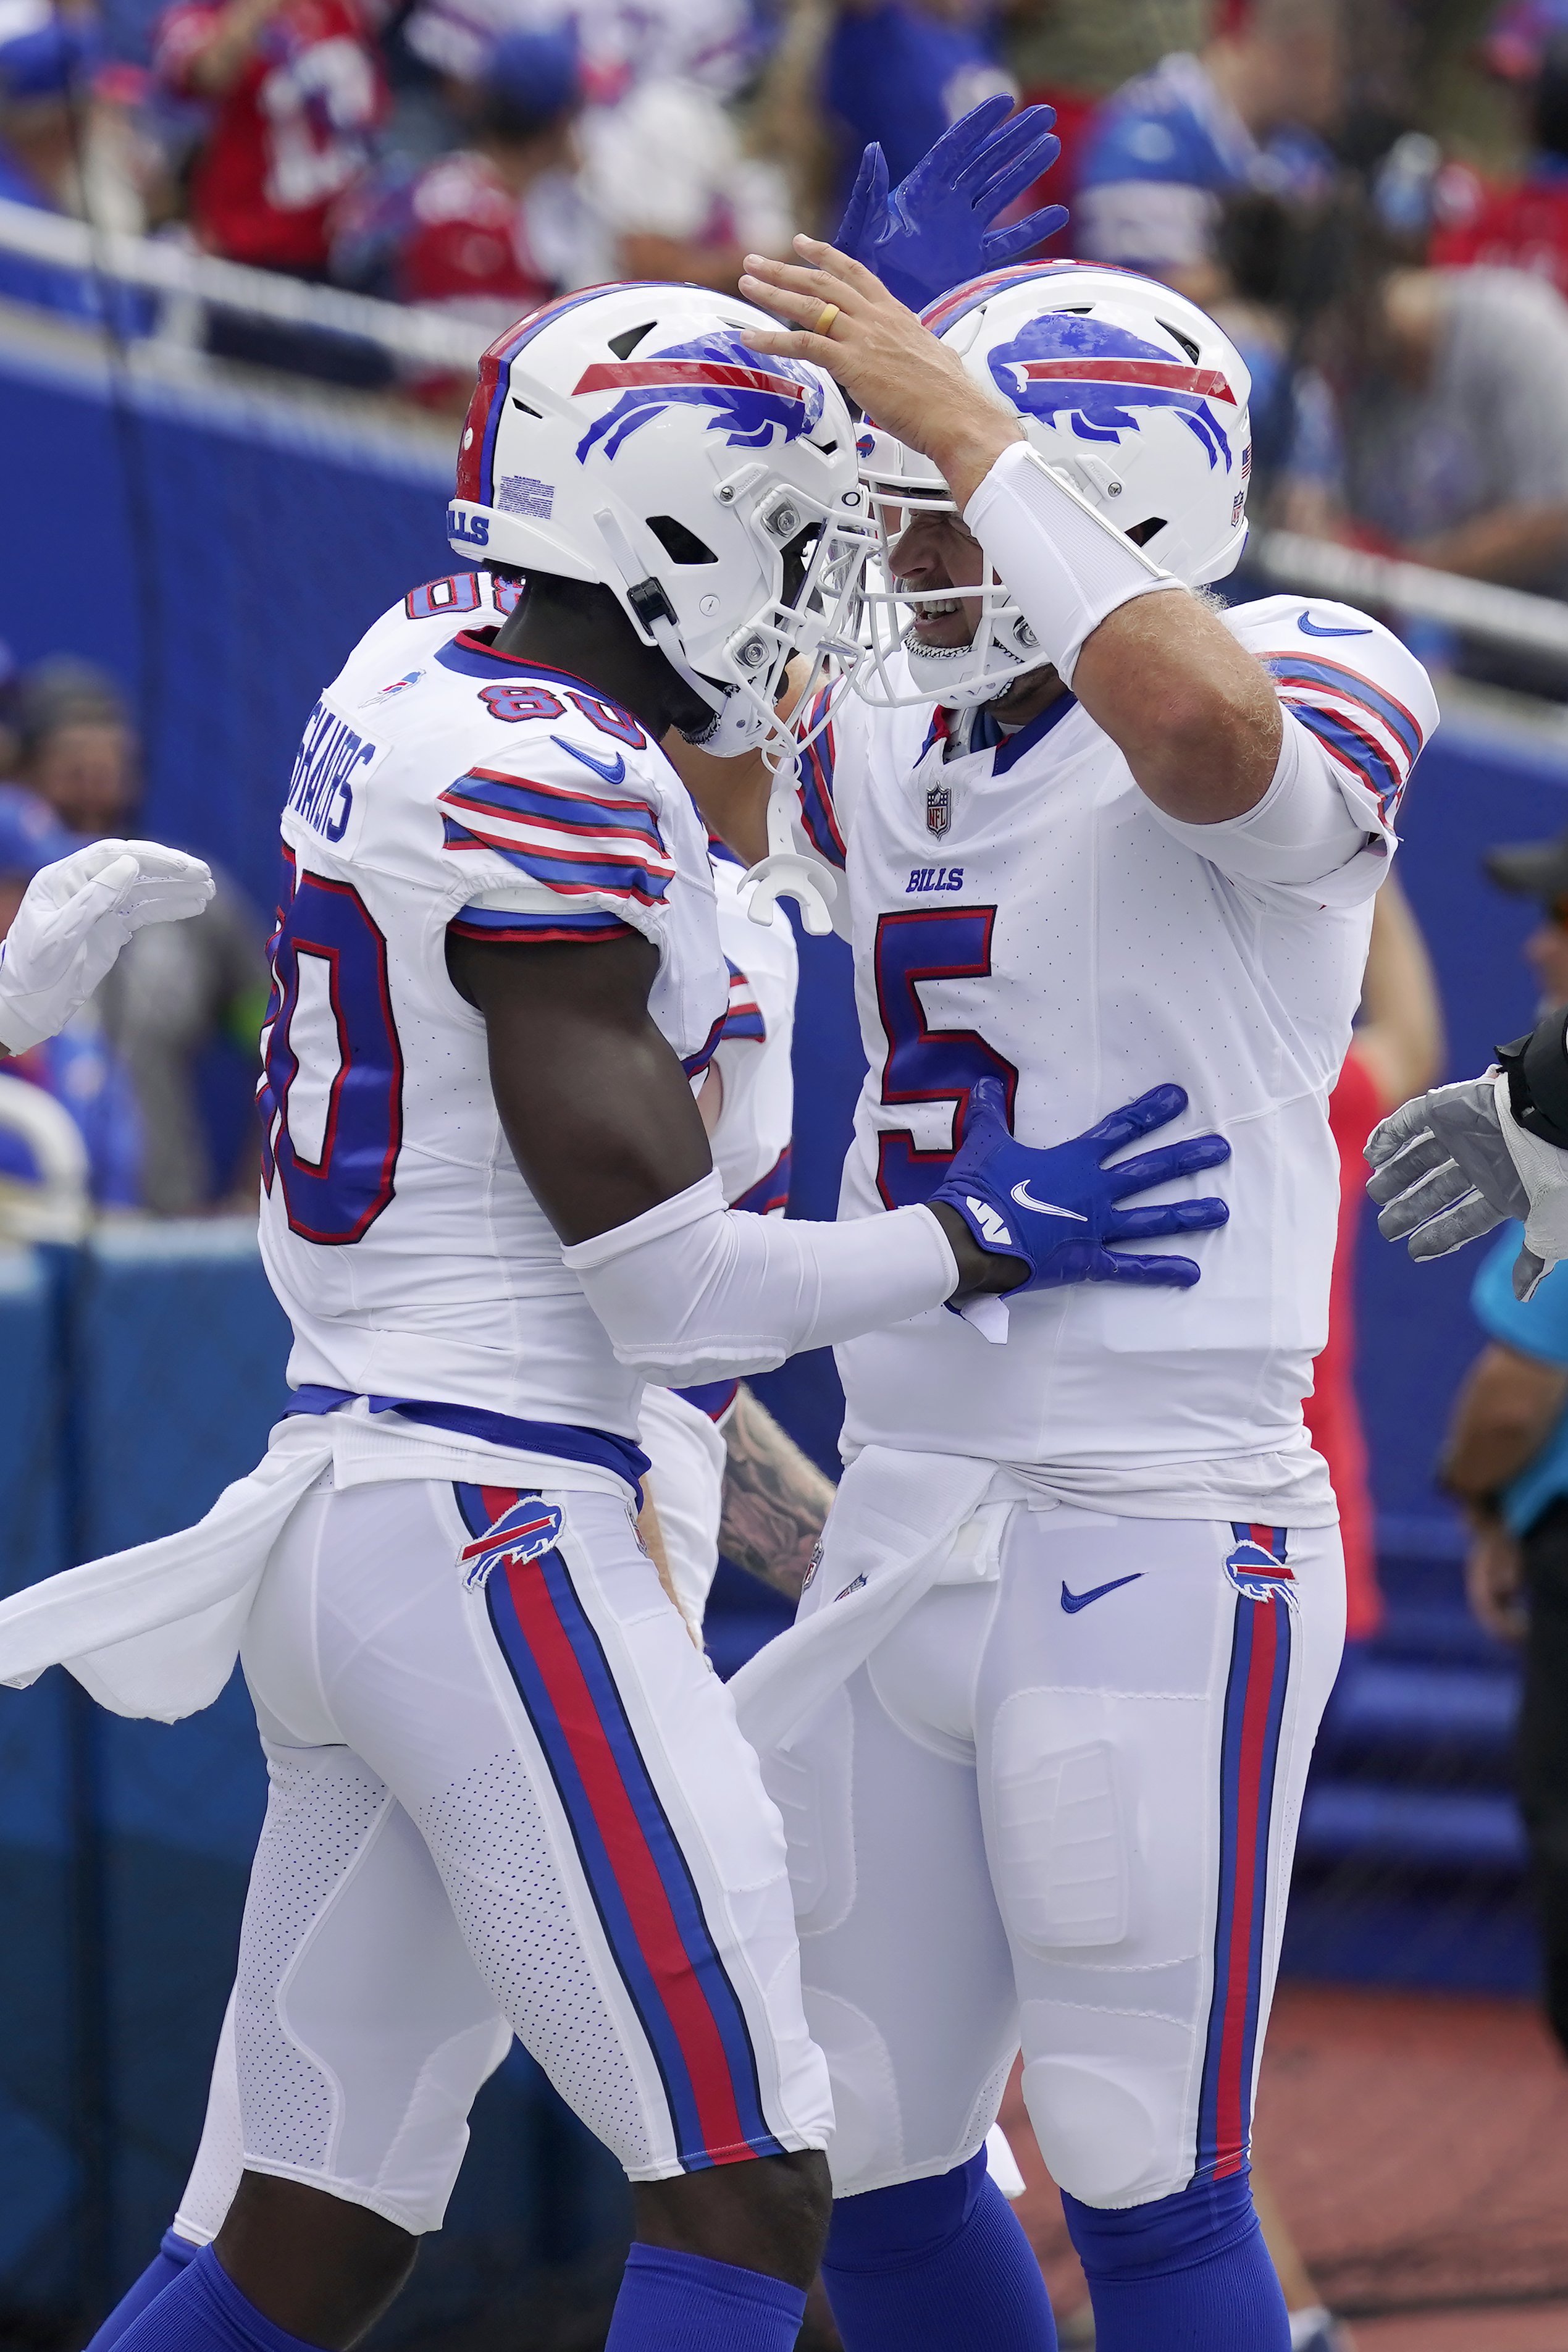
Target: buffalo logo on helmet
1257, 1565
530, 1529
752, 398
1096, 375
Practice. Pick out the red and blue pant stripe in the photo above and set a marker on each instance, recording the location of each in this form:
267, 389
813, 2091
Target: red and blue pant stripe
642, 1884
1255, 1696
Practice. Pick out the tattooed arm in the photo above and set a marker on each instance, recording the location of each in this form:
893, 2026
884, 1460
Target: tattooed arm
775, 1499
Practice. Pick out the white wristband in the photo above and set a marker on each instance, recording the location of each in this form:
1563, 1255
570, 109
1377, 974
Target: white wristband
1065, 566
692, 1291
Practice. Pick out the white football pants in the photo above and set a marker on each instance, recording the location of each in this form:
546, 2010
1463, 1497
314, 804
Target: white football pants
1057, 1806
519, 1805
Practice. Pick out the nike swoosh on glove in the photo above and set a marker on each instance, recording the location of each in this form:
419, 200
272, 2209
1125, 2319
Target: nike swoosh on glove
1451, 1164
1056, 1208
933, 230
76, 917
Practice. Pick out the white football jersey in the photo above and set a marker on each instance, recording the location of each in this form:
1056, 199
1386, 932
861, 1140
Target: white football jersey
443, 785
751, 1140
1025, 912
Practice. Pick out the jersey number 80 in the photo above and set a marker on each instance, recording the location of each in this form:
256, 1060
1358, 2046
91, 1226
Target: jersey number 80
330, 1098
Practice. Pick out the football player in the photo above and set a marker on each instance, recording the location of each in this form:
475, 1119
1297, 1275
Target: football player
1076, 813
506, 1792
775, 1502
1456, 1161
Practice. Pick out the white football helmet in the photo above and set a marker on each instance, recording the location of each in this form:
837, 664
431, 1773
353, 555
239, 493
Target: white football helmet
1131, 394
626, 435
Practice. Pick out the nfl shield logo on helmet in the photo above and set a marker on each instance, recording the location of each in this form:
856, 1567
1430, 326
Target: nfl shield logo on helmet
939, 808
1257, 1565
530, 1529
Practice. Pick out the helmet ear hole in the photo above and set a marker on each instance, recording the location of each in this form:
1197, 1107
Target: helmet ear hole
1176, 336
681, 545
1142, 533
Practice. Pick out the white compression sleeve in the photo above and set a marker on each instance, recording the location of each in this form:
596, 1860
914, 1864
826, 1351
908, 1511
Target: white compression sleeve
1065, 566
693, 1291
1302, 829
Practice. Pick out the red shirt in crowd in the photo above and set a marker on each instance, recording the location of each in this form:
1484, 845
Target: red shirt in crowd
290, 135
1523, 225
466, 241
1333, 1416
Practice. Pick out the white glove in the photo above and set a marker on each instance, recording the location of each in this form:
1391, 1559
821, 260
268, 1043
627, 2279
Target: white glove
74, 920
1453, 1163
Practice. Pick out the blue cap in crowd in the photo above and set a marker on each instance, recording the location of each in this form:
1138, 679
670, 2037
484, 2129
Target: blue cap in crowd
536, 75
31, 834
42, 53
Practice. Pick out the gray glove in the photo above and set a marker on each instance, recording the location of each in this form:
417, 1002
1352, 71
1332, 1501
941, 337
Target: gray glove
1450, 1165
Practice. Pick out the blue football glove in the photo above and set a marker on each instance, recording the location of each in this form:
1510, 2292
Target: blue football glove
1057, 1209
933, 232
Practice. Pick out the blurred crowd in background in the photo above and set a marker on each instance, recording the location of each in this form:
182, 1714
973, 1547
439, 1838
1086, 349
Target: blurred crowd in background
1373, 200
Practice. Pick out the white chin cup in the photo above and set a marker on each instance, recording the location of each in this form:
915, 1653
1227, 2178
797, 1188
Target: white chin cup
737, 726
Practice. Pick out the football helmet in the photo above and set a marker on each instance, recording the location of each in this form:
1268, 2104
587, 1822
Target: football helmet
1129, 393
627, 435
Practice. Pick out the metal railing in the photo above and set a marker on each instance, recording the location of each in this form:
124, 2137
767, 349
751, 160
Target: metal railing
437, 339
431, 339
1498, 616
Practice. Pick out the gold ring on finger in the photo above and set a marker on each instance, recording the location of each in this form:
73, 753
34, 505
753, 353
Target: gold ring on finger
824, 325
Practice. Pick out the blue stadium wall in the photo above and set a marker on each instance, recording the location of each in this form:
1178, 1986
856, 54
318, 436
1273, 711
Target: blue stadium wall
221, 555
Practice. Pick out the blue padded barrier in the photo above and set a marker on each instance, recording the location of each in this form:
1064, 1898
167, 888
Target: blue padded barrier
179, 1349
39, 2080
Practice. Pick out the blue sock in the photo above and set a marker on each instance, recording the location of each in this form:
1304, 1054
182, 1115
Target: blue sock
162, 2271
1187, 2273
933, 2265
683, 2303
204, 2311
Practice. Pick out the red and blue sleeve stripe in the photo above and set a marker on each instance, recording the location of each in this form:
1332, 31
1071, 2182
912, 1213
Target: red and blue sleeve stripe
1354, 749
1301, 670
1255, 1696
695, 1064
770, 1192
817, 811
639, 1879
504, 926
744, 1016
712, 1397
574, 842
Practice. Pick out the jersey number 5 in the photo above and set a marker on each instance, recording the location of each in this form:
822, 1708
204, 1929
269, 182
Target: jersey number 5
925, 1064
330, 1098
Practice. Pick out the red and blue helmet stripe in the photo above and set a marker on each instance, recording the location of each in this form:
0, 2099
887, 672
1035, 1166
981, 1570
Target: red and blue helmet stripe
488, 405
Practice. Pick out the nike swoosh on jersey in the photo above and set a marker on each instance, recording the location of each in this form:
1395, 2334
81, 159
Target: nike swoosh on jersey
1026, 1200
1074, 1601
610, 772
1305, 623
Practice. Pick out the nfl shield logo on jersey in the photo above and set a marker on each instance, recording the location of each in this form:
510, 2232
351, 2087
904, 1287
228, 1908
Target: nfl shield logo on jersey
526, 1532
1256, 1566
939, 808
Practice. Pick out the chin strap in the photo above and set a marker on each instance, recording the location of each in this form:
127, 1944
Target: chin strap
654, 613
786, 872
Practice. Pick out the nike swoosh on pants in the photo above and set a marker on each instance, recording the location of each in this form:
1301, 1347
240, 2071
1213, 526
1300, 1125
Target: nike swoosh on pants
1074, 1601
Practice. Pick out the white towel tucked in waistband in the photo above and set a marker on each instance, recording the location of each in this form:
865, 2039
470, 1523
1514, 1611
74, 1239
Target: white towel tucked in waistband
893, 1522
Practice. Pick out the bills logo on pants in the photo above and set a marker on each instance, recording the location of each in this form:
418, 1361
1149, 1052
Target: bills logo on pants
639, 1879
1255, 1697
